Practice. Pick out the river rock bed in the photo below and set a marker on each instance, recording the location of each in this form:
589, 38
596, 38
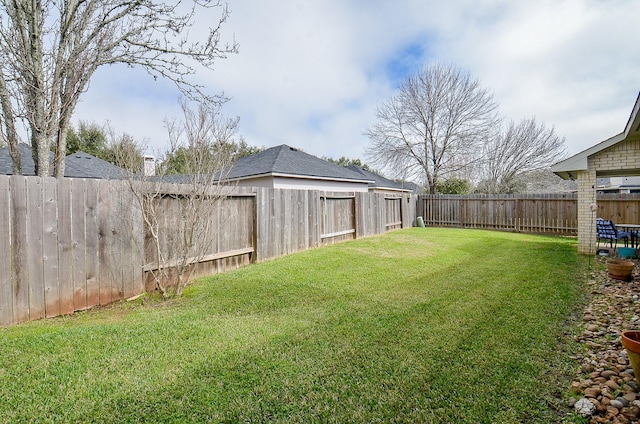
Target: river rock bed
605, 377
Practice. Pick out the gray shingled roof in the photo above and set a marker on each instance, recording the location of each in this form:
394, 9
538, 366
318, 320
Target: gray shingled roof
77, 165
84, 165
285, 160
378, 180
28, 167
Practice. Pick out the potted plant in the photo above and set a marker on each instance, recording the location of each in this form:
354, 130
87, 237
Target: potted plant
631, 342
620, 269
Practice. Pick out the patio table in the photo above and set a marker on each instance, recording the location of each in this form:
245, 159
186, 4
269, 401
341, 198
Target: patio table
634, 230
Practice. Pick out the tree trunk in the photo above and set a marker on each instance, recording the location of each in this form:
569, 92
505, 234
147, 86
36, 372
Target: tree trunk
40, 152
61, 146
9, 124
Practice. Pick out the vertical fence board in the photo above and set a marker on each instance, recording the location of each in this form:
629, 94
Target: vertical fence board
78, 245
35, 248
92, 243
65, 248
259, 224
133, 245
6, 294
106, 245
50, 248
118, 257
20, 252
276, 228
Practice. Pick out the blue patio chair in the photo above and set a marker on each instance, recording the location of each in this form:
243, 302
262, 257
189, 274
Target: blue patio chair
607, 231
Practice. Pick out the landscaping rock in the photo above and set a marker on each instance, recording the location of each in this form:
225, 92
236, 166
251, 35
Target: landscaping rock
606, 380
616, 404
584, 407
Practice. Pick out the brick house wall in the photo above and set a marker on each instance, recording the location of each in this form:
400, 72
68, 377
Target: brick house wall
622, 158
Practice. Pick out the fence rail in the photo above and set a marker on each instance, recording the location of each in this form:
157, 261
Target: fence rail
73, 244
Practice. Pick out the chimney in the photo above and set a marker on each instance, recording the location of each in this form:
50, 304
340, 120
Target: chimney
149, 166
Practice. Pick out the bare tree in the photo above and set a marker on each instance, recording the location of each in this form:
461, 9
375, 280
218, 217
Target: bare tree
49, 51
433, 126
178, 211
518, 149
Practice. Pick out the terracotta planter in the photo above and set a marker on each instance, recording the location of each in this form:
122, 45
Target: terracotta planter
631, 342
620, 269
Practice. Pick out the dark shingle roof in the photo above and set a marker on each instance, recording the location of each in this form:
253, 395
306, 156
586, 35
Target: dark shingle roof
378, 180
285, 160
415, 188
84, 165
28, 166
77, 165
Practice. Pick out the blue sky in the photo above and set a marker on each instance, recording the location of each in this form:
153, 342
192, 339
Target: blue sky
310, 73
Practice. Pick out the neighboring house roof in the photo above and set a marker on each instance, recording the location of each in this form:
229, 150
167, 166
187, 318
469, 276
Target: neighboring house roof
415, 188
84, 165
77, 165
377, 181
286, 161
579, 162
28, 166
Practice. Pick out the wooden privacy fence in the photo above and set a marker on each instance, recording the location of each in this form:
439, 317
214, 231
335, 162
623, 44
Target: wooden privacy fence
620, 208
66, 245
540, 213
543, 213
73, 244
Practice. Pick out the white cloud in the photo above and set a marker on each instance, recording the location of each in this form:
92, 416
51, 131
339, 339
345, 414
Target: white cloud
310, 73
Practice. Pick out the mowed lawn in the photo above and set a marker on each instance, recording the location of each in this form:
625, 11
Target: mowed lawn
418, 325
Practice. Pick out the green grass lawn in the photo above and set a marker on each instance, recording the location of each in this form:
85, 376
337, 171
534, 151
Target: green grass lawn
418, 325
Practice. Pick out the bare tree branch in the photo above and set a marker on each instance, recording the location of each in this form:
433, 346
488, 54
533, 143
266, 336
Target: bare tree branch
208, 140
49, 51
519, 148
433, 125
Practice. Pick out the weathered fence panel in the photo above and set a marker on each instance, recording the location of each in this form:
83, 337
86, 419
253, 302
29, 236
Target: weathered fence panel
19, 253
620, 208
6, 292
226, 243
72, 244
542, 213
545, 213
338, 217
61, 248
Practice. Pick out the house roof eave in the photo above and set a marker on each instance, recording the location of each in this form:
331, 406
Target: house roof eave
579, 162
567, 168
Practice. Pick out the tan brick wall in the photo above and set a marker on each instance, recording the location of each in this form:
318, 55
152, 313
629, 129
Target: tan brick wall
623, 158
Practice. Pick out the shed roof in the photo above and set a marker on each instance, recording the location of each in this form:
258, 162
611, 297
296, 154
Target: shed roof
286, 161
579, 162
